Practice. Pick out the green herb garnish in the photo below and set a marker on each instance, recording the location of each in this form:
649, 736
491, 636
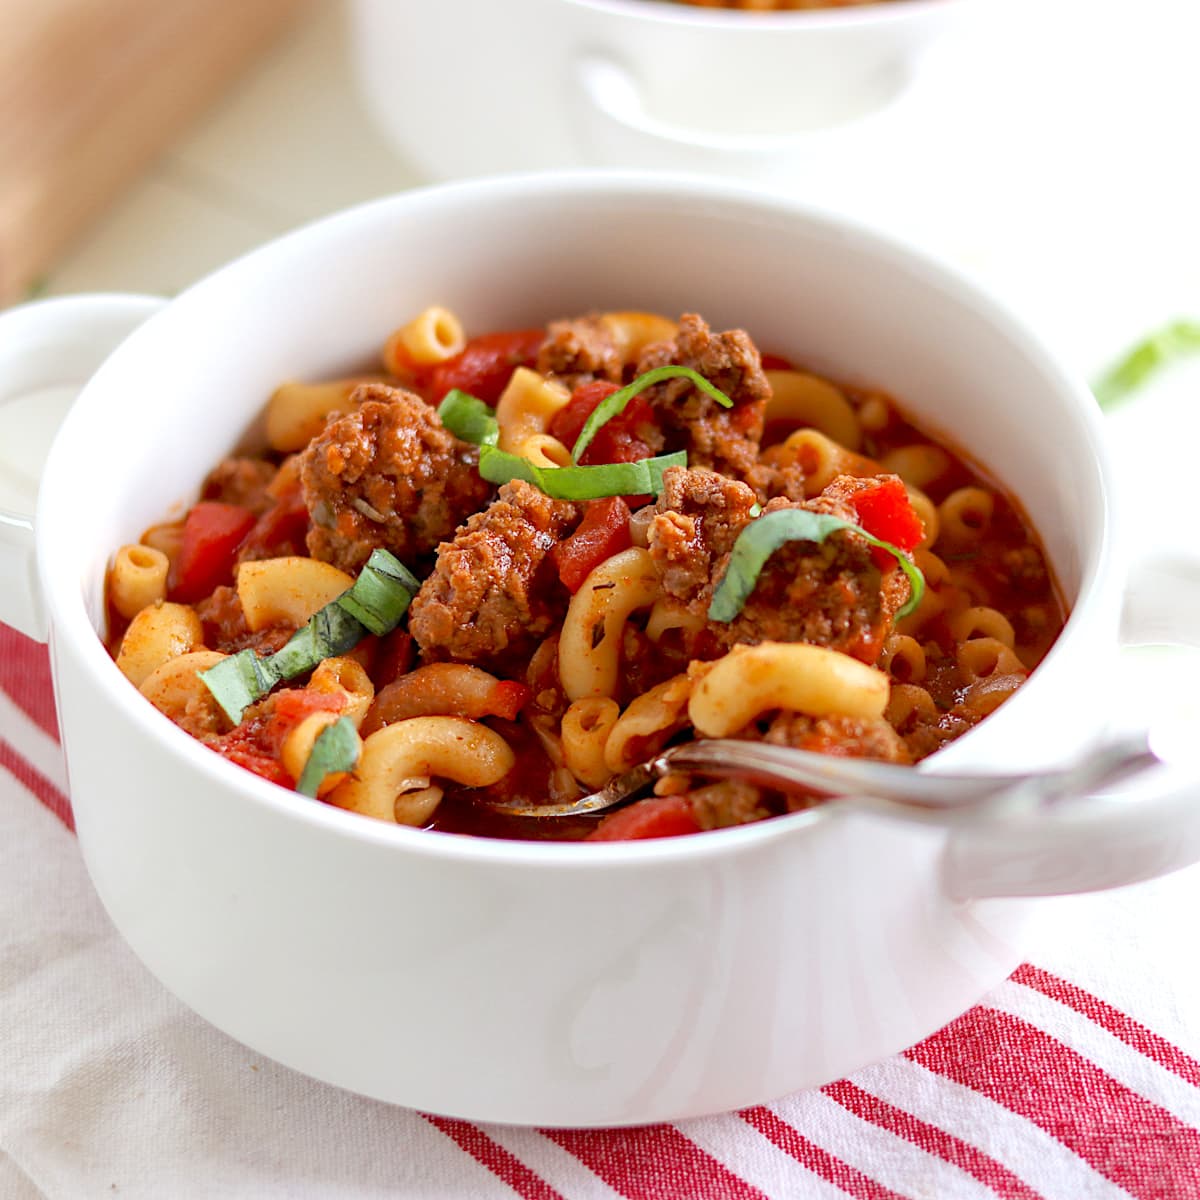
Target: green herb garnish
469, 418
762, 537
335, 749
472, 420
375, 603
238, 681
1162, 348
381, 593
612, 405
641, 478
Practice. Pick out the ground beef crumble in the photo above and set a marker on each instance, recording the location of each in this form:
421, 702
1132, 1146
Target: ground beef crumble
698, 518
578, 351
495, 591
722, 439
389, 475
241, 481
828, 594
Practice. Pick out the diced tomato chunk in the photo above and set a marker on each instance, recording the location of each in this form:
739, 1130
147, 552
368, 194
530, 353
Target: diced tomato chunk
212, 533
617, 439
394, 658
280, 530
568, 422
290, 706
508, 698
243, 753
773, 362
485, 364
885, 511
660, 816
603, 532
257, 742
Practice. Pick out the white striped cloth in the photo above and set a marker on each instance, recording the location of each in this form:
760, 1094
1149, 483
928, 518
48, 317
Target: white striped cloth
1079, 1077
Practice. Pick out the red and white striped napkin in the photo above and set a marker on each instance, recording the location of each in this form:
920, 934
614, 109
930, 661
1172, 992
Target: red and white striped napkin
1078, 1077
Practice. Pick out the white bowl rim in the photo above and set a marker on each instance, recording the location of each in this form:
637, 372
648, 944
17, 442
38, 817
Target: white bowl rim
670, 12
69, 619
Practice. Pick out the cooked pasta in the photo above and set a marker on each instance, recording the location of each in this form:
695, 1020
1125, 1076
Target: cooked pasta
804, 399
963, 517
418, 606
795, 677
634, 331
523, 415
287, 591
432, 336
586, 727
650, 721
138, 578
297, 412
392, 780
590, 645
156, 634
822, 460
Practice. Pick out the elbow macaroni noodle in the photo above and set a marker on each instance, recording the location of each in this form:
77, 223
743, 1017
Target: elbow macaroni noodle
587, 726
138, 579
297, 412
805, 399
821, 459
391, 781
815, 680
432, 336
634, 331
590, 645
649, 722
157, 634
287, 591
523, 414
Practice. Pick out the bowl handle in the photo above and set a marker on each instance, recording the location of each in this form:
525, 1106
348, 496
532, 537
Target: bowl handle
1101, 842
48, 350
620, 131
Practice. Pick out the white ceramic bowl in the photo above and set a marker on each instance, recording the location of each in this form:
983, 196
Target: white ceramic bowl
468, 86
576, 984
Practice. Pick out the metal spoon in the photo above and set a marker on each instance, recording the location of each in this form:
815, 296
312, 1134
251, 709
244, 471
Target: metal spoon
884, 783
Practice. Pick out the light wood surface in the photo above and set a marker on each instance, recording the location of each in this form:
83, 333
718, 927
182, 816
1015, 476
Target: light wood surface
90, 91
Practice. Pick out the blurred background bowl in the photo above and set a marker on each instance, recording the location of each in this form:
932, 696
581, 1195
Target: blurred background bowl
464, 87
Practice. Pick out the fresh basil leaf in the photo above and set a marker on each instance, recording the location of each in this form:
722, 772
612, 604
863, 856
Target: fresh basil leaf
610, 406
763, 536
375, 603
381, 594
335, 749
238, 681
469, 418
641, 478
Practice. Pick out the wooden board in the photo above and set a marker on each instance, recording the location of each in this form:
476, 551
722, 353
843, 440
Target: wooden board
90, 92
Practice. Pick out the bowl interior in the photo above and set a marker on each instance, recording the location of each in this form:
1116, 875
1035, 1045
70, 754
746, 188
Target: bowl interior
188, 387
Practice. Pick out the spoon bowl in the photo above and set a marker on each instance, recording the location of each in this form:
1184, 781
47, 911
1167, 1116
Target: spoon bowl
900, 789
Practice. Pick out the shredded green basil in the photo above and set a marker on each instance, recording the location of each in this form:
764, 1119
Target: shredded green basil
335, 749
1165, 346
612, 405
763, 536
641, 478
375, 603
469, 418
381, 593
238, 681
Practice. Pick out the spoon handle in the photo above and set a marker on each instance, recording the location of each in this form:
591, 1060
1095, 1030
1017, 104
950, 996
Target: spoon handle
790, 769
